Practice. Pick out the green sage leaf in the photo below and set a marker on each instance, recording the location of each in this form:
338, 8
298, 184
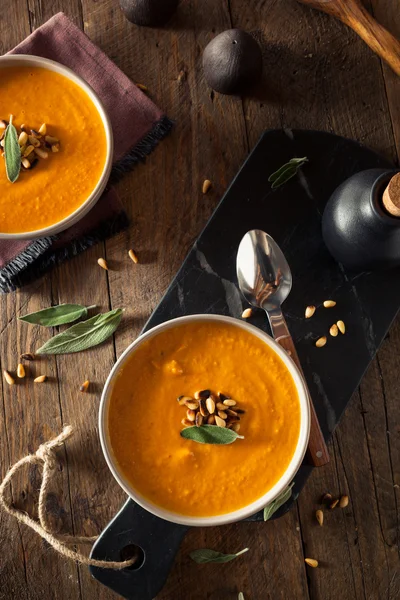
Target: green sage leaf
83, 335
12, 153
56, 315
210, 434
286, 172
271, 508
204, 555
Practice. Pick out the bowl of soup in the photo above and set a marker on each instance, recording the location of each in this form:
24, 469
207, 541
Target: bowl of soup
66, 146
240, 379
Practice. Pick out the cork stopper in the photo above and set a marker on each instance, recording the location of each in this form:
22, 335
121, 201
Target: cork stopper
391, 196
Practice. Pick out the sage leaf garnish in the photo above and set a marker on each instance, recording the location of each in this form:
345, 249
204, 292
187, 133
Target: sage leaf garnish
56, 315
210, 434
286, 172
12, 152
83, 335
204, 555
270, 509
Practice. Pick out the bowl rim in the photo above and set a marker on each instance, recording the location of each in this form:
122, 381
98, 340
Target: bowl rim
83, 209
255, 506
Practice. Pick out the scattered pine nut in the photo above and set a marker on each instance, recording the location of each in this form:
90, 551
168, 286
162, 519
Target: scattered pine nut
190, 415
199, 419
25, 163
23, 138
84, 386
220, 422
341, 326
43, 129
334, 330
235, 426
206, 186
28, 150
51, 140
211, 420
334, 504
321, 342
229, 402
247, 313
55, 148
344, 501
319, 515
102, 263
187, 423
192, 404
41, 153
142, 87
210, 405
326, 498
181, 76
27, 356
329, 303
310, 310
10, 380
40, 379
222, 414
133, 256
21, 371
311, 562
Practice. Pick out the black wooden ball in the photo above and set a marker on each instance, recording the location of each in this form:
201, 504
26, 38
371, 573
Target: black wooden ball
148, 13
232, 62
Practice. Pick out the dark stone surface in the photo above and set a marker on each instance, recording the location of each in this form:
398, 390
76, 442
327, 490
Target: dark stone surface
206, 283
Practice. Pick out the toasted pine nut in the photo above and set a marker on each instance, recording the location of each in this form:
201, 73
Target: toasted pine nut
51, 140
321, 342
247, 313
25, 163
329, 303
40, 379
334, 330
206, 186
341, 327
84, 386
190, 415
21, 371
187, 423
23, 138
310, 310
41, 153
34, 141
210, 404
102, 263
10, 380
222, 414
344, 501
220, 422
311, 562
28, 150
55, 148
235, 426
319, 515
229, 402
43, 129
334, 504
133, 256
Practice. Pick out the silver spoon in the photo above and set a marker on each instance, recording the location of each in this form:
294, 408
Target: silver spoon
265, 281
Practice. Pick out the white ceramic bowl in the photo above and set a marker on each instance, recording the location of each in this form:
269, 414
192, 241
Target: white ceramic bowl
236, 515
25, 60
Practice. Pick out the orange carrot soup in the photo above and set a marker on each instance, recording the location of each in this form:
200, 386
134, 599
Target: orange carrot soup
63, 162
145, 418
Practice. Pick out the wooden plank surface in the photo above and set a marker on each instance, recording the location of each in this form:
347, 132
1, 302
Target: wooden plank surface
318, 74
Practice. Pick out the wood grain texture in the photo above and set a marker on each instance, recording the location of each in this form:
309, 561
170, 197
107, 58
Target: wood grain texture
317, 74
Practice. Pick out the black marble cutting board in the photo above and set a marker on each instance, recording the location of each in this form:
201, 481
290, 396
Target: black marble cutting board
206, 283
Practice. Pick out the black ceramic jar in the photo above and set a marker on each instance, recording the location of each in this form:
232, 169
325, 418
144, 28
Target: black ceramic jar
357, 229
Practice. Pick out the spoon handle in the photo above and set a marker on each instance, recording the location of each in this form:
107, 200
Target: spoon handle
317, 450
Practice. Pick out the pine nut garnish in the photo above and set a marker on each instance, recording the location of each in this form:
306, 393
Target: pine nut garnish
23, 138
319, 515
203, 407
311, 562
344, 501
142, 87
341, 326
210, 404
229, 402
199, 419
51, 140
183, 399
28, 150
10, 380
206, 186
222, 414
21, 371
133, 256
190, 415
329, 303
27, 356
221, 406
334, 330
235, 427
102, 263
247, 313
211, 420
40, 379
334, 504
84, 387
187, 423
310, 310
321, 342
41, 153
192, 404
43, 129
326, 498
220, 422
202, 394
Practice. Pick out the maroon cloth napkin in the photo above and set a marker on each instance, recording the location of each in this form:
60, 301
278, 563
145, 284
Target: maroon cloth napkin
137, 125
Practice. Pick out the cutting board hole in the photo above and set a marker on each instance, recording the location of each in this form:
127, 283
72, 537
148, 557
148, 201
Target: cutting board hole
133, 551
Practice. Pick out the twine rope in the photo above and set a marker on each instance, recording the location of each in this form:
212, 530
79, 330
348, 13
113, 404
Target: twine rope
46, 458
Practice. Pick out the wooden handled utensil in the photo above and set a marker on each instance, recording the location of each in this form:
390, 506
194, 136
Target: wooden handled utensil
356, 16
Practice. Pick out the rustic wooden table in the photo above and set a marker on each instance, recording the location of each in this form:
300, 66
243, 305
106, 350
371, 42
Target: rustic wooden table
318, 75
